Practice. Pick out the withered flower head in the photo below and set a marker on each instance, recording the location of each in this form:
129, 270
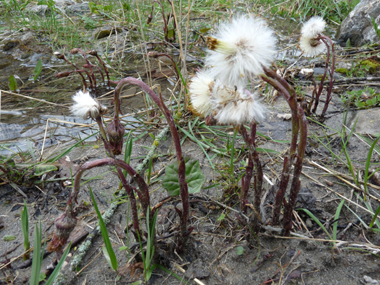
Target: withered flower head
74, 51
65, 224
116, 135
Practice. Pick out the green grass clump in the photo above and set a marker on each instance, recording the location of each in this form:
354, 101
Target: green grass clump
328, 9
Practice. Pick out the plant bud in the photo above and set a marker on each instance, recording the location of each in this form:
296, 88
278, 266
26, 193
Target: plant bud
116, 135
63, 74
153, 54
74, 51
59, 55
65, 224
92, 52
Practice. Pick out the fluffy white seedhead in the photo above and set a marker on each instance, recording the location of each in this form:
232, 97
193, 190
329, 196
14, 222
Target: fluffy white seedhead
309, 34
313, 27
200, 92
311, 47
87, 107
235, 106
239, 49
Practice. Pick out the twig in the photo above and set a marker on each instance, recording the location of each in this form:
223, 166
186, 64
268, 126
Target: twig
31, 98
196, 280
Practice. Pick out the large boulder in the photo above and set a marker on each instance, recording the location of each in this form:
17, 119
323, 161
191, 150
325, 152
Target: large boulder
358, 26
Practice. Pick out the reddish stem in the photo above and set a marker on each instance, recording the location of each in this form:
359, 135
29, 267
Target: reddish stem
295, 187
332, 69
323, 77
282, 86
181, 162
77, 70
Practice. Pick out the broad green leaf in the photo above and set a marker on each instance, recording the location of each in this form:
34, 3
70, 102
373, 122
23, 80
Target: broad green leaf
37, 69
194, 177
12, 83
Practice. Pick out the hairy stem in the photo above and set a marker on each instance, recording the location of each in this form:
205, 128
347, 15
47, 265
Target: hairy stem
332, 69
181, 162
323, 78
296, 184
290, 97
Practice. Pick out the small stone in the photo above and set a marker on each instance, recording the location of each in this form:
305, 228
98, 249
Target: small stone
106, 31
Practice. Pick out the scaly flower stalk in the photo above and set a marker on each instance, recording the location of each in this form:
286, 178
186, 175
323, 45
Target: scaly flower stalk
156, 54
250, 141
66, 223
95, 53
296, 183
62, 56
75, 51
332, 69
85, 107
288, 92
181, 162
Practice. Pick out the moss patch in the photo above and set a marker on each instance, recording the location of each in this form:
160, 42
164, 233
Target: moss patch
372, 65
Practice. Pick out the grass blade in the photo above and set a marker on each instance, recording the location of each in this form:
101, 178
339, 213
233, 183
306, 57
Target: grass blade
25, 229
36, 262
367, 164
58, 267
337, 213
316, 220
106, 239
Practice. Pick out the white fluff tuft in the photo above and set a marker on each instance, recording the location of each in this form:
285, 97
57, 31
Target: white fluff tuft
311, 47
309, 34
241, 48
200, 92
86, 107
313, 27
236, 106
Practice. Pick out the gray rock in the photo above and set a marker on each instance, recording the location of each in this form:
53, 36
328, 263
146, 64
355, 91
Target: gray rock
27, 38
368, 121
358, 25
38, 9
78, 9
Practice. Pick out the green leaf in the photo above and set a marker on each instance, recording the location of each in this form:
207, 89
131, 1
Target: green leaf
37, 70
221, 218
58, 267
12, 83
239, 250
194, 177
110, 256
171, 33
42, 276
204, 30
371, 102
37, 256
44, 168
25, 226
9, 238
